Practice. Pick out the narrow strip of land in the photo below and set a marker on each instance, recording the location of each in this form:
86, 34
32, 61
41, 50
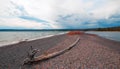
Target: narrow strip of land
91, 52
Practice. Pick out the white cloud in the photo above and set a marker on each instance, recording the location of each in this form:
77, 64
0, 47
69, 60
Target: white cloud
106, 10
51, 10
17, 22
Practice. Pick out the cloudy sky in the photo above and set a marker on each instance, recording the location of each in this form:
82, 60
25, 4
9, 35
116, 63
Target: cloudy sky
59, 14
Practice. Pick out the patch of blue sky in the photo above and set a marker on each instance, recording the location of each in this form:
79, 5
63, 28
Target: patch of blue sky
71, 22
9, 27
117, 15
108, 23
32, 19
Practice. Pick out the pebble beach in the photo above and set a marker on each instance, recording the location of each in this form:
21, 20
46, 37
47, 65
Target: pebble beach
91, 52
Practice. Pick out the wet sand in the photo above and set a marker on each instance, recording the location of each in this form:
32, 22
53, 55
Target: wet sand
91, 52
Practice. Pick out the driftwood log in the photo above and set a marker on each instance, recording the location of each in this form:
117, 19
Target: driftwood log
50, 55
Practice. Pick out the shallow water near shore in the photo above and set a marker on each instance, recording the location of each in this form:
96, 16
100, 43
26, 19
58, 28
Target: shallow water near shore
11, 37
109, 35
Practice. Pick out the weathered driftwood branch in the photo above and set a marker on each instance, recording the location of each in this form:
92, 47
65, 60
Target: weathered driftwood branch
50, 55
31, 54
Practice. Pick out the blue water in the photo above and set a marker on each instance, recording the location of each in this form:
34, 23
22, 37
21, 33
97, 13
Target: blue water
11, 37
109, 35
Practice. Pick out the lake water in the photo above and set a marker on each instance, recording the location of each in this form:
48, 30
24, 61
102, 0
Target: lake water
11, 37
109, 35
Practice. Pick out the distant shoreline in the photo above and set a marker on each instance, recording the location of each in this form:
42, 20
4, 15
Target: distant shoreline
90, 29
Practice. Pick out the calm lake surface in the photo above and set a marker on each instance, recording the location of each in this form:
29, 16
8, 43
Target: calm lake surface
11, 37
109, 35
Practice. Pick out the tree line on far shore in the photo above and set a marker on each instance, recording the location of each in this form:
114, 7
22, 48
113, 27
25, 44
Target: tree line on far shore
108, 29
